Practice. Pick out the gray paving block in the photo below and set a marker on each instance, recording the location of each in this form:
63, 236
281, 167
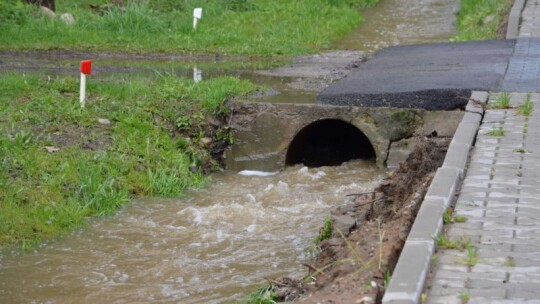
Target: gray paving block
457, 157
444, 185
472, 118
410, 273
466, 132
429, 220
512, 30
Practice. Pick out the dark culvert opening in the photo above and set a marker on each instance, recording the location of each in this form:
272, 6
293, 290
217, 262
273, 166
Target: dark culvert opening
328, 142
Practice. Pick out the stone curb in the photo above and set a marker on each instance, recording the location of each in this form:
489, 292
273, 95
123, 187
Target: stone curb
512, 31
413, 265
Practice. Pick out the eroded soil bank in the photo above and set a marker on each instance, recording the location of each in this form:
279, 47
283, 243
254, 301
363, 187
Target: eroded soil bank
355, 264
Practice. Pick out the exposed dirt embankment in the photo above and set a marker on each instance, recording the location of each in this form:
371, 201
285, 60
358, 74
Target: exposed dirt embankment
355, 263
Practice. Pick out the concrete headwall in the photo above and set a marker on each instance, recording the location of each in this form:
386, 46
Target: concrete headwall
263, 132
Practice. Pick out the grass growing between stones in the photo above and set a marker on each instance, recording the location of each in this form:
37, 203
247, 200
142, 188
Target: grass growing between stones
444, 242
497, 132
526, 108
465, 296
502, 101
482, 19
247, 27
472, 254
60, 165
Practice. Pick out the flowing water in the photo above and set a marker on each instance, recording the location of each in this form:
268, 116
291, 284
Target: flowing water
401, 22
213, 245
219, 243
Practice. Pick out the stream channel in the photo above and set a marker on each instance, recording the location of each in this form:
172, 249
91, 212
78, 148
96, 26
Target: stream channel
217, 244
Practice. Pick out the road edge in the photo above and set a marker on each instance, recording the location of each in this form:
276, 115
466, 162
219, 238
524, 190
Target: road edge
512, 31
410, 273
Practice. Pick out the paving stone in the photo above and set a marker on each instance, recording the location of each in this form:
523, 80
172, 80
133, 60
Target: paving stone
487, 294
444, 184
500, 195
429, 220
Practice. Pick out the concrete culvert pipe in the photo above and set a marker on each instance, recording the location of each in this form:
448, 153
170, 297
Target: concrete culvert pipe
328, 142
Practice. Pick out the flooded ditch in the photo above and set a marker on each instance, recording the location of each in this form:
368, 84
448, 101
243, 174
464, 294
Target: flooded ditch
210, 246
219, 243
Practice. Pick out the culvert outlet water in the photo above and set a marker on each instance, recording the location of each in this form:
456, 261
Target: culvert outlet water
328, 142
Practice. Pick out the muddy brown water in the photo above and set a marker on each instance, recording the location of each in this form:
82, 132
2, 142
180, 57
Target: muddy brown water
220, 243
212, 246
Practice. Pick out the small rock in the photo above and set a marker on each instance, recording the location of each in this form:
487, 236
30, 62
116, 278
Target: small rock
193, 168
104, 121
344, 223
489, 19
67, 18
206, 141
365, 300
48, 12
51, 149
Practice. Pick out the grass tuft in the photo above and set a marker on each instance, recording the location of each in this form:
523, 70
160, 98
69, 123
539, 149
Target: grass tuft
465, 296
498, 132
502, 102
444, 242
264, 295
526, 108
472, 254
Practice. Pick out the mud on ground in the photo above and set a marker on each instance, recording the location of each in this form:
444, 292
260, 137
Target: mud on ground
316, 72
354, 266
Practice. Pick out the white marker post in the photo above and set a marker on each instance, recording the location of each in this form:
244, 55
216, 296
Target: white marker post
197, 75
197, 15
86, 69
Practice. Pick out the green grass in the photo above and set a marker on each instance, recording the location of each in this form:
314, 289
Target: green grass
502, 101
326, 231
444, 242
465, 296
449, 217
472, 254
248, 27
482, 19
264, 295
497, 132
526, 108
460, 219
99, 168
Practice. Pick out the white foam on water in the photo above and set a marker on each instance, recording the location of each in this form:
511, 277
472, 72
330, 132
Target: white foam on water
195, 213
256, 173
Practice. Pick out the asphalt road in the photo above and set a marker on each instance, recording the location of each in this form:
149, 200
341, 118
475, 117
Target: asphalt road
431, 76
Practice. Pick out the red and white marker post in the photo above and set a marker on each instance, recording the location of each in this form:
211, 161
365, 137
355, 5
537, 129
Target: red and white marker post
86, 69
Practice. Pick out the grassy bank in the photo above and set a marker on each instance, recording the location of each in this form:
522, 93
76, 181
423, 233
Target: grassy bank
260, 27
482, 19
61, 165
